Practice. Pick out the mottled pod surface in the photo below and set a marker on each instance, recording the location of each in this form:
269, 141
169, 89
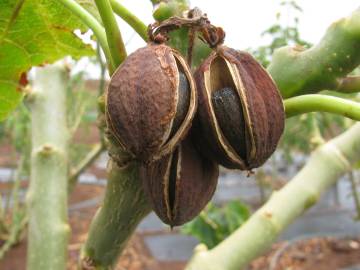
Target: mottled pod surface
241, 115
150, 102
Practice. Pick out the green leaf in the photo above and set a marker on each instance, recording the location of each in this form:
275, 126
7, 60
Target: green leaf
202, 230
33, 32
214, 223
236, 213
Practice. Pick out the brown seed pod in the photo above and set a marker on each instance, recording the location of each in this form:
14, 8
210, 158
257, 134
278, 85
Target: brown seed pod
241, 114
181, 184
150, 102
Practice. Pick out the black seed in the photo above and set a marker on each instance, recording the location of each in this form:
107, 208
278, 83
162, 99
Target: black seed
183, 103
229, 115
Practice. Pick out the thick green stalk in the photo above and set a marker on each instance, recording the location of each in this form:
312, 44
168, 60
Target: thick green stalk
125, 205
323, 169
47, 195
114, 39
130, 18
94, 25
322, 103
297, 71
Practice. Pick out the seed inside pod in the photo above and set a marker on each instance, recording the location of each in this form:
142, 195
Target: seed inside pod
183, 102
228, 111
241, 115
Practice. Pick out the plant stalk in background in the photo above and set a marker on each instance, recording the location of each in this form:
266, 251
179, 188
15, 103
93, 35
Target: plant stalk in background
298, 71
323, 169
47, 195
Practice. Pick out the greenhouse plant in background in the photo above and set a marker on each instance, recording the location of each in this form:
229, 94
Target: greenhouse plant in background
35, 34
215, 223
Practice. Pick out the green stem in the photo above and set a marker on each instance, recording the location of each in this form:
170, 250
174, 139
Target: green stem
312, 103
94, 25
355, 194
102, 79
316, 138
130, 18
125, 205
115, 41
47, 195
324, 168
297, 71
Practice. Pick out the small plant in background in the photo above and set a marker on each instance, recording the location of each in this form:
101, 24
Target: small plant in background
285, 32
215, 223
13, 216
280, 34
82, 114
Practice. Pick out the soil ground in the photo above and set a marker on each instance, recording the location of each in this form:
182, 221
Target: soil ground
309, 254
135, 257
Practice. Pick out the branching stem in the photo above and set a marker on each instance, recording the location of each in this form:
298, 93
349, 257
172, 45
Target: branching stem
312, 103
93, 154
130, 18
94, 25
299, 71
324, 168
114, 39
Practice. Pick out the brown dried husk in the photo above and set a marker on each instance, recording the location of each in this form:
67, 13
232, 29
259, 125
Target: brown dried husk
180, 201
261, 102
141, 102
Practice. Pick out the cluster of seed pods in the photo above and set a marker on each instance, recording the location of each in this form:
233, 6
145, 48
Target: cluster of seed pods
181, 125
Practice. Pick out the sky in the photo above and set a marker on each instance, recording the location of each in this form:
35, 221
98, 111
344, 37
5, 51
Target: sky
244, 21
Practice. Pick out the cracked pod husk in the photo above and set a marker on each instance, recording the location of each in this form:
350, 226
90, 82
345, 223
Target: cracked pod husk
150, 102
241, 115
181, 184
